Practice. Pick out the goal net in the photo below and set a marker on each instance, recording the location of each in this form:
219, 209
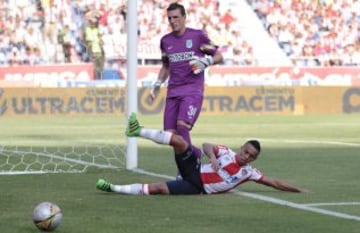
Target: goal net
51, 130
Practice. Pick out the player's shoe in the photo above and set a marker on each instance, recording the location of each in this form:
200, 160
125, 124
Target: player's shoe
133, 128
103, 185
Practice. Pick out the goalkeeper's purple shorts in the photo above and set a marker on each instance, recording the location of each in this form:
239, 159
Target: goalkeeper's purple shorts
186, 108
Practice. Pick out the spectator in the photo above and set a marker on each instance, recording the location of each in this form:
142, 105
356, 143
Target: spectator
291, 22
351, 55
94, 44
326, 24
64, 38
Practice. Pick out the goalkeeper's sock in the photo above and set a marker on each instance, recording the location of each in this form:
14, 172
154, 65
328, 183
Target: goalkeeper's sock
133, 189
158, 136
199, 153
185, 133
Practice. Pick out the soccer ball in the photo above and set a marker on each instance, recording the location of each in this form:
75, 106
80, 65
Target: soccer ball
47, 216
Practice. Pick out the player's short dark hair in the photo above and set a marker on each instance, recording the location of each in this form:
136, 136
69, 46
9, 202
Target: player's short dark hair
175, 6
255, 144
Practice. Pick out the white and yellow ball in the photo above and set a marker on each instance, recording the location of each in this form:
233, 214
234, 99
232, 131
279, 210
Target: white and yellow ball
47, 216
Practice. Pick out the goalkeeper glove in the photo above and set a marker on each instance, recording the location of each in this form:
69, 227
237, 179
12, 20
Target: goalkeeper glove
198, 64
155, 88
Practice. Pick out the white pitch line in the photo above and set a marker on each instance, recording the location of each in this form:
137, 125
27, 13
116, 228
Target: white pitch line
270, 199
298, 206
332, 204
312, 142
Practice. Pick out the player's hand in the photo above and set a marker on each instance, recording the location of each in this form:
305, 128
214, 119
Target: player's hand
155, 88
199, 64
214, 163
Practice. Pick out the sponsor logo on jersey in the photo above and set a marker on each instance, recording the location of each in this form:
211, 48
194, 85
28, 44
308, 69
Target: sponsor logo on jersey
177, 57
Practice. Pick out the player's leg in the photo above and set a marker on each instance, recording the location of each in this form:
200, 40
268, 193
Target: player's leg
189, 111
179, 116
188, 165
182, 187
183, 129
170, 118
170, 114
135, 130
133, 189
159, 136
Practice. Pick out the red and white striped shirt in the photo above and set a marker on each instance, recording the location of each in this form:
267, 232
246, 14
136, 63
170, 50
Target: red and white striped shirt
230, 173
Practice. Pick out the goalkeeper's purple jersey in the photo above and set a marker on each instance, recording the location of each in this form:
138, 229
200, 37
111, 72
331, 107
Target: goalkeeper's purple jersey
176, 52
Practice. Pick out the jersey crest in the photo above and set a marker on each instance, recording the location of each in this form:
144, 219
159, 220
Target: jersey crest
189, 44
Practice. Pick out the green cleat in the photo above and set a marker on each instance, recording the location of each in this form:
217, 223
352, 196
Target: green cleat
133, 128
103, 185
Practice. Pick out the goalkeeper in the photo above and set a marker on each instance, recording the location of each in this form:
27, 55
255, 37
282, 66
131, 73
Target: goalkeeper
227, 169
186, 52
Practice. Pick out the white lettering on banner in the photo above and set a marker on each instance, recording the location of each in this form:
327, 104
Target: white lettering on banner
283, 77
48, 76
307, 79
335, 79
45, 75
233, 79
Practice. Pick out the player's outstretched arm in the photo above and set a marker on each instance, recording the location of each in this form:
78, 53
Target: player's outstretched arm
209, 151
281, 185
155, 88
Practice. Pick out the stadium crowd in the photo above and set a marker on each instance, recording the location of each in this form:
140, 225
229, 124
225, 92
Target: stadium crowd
55, 31
312, 33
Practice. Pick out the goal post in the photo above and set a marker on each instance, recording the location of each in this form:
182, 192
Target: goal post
70, 129
132, 98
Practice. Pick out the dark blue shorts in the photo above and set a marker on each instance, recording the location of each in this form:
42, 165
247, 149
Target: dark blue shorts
189, 168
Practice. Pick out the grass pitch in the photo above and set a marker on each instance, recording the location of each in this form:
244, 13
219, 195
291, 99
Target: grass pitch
320, 153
